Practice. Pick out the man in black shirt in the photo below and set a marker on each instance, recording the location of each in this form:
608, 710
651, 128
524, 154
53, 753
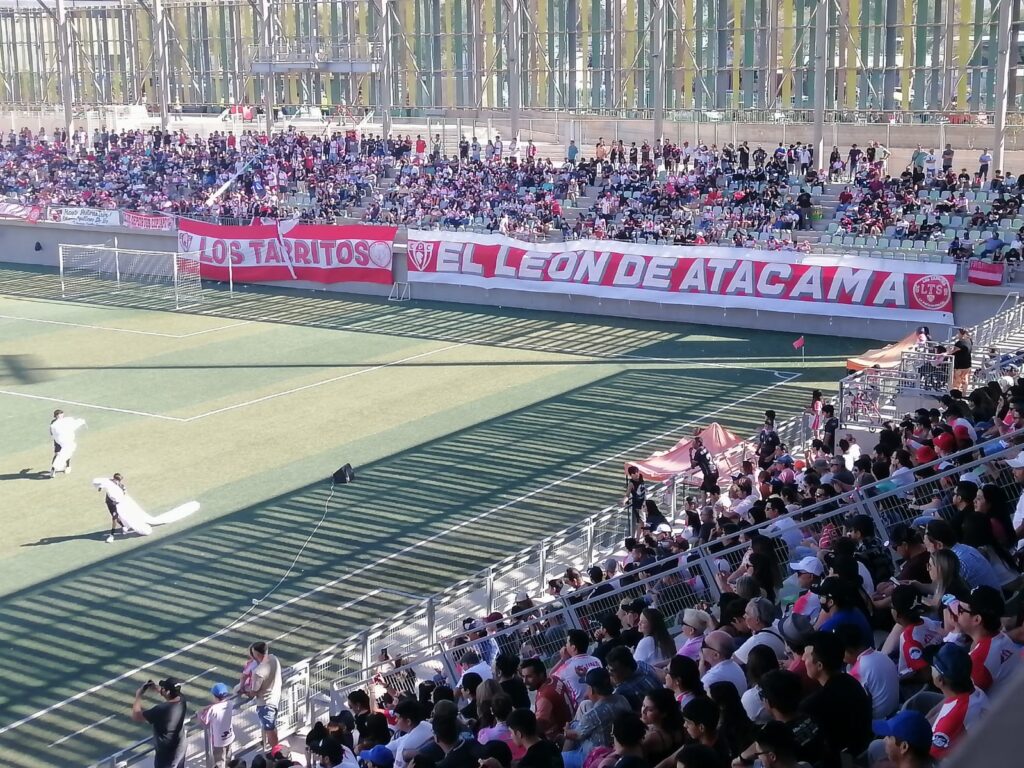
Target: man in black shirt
782, 691
841, 708
540, 753
507, 667
608, 636
167, 719
458, 752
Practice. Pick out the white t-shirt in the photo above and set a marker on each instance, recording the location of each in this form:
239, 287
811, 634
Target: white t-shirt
218, 719
787, 530
482, 668
877, 673
866, 581
647, 650
266, 681
1018, 518
573, 670
727, 671
769, 637
410, 742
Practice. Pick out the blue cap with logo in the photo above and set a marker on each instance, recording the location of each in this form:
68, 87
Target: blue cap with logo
909, 726
951, 661
379, 755
220, 690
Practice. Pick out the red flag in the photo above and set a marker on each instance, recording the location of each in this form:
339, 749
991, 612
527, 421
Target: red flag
799, 343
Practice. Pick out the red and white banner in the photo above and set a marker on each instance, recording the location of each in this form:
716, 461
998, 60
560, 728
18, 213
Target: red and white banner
154, 222
84, 217
30, 213
778, 281
985, 272
320, 253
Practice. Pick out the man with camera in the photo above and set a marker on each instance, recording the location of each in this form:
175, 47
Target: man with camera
168, 721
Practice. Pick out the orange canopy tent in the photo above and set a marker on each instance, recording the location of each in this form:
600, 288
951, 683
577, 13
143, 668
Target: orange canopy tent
886, 357
726, 448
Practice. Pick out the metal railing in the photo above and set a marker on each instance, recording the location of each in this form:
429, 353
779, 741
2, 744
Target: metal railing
871, 397
429, 634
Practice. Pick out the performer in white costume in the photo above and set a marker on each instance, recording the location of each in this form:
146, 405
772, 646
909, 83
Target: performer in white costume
62, 430
126, 515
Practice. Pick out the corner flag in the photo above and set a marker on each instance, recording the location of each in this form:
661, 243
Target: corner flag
799, 343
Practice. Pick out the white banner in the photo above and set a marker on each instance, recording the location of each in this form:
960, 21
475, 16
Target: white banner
157, 222
713, 276
84, 217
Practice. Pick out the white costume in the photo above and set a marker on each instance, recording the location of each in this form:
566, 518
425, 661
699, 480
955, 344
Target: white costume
132, 516
62, 430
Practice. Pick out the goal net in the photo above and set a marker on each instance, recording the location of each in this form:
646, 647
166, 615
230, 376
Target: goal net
160, 280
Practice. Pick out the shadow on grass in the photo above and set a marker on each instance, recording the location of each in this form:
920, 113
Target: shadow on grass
414, 522
563, 333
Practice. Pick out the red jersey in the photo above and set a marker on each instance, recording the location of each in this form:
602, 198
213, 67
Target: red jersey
554, 707
956, 715
993, 659
913, 640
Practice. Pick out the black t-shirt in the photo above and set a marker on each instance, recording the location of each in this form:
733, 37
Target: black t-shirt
631, 637
602, 649
962, 354
465, 754
842, 710
915, 568
830, 427
543, 754
631, 761
516, 690
168, 721
810, 746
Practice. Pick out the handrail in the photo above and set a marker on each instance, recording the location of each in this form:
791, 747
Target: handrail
313, 677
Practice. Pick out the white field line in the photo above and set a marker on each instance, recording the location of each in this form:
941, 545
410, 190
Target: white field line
382, 561
125, 330
91, 405
349, 375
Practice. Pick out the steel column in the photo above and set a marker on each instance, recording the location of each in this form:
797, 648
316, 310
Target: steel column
820, 68
1002, 76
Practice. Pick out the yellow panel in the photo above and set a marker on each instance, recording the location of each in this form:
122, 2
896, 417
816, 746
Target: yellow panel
629, 25
448, 51
788, 24
689, 40
486, 24
411, 92
964, 54
540, 97
586, 8
908, 50
737, 49
852, 51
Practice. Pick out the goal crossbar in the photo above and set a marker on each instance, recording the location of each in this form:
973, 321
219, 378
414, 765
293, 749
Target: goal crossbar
163, 279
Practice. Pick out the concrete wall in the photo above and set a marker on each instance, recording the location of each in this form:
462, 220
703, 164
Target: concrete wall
972, 304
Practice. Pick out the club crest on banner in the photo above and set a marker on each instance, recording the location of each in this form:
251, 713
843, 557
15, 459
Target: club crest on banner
380, 254
419, 254
932, 292
184, 241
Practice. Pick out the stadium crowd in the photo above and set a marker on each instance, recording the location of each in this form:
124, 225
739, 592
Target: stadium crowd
659, 192
821, 643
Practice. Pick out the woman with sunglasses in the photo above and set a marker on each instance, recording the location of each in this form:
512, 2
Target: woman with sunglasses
695, 625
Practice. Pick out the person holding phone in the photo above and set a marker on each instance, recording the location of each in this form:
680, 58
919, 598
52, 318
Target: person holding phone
167, 719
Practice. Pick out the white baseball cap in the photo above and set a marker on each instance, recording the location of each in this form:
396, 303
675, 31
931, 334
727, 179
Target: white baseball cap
1017, 462
663, 528
808, 565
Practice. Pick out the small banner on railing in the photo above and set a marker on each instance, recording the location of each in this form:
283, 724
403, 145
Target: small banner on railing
84, 217
288, 250
30, 213
154, 222
985, 272
777, 281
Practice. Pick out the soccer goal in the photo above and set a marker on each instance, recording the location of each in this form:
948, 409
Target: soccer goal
159, 279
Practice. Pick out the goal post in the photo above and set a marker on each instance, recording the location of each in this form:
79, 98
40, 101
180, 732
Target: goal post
159, 278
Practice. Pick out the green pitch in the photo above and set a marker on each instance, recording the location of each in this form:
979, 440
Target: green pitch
474, 431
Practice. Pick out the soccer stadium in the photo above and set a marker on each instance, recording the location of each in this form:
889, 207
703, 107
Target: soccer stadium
511, 384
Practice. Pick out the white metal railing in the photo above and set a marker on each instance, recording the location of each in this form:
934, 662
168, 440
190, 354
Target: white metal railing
318, 685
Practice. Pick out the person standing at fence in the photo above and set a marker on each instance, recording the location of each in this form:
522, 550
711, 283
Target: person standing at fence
265, 687
636, 496
217, 718
167, 719
962, 349
701, 458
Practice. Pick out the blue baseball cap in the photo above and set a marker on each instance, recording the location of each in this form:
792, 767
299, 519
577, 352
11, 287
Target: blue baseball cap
911, 727
220, 690
379, 755
951, 661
